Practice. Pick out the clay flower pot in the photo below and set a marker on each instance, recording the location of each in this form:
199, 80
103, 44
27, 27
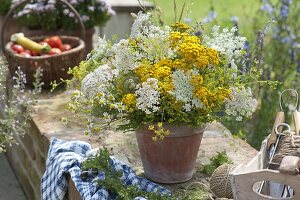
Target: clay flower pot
173, 159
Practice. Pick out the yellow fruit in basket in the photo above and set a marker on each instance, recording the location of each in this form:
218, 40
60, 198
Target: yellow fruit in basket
29, 44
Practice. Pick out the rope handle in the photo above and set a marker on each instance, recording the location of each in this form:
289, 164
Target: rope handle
22, 3
294, 93
296, 114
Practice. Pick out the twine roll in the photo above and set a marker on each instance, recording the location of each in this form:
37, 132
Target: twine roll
289, 145
220, 181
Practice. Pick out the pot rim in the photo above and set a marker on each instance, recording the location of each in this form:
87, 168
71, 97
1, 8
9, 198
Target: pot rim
176, 130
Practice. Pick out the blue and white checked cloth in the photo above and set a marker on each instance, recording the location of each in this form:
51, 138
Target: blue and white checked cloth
65, 157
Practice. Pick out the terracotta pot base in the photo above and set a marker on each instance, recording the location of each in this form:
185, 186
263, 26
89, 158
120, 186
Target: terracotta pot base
171, 160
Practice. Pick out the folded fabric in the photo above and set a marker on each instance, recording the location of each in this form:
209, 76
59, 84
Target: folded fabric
65, 157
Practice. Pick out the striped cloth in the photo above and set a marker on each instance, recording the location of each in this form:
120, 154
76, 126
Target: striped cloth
64, 157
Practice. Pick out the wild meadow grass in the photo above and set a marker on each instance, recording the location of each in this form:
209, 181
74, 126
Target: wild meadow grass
197, 10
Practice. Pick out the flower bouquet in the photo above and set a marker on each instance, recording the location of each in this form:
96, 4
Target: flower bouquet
164, 79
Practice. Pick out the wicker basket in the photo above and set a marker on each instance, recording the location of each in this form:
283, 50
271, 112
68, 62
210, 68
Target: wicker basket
54, 67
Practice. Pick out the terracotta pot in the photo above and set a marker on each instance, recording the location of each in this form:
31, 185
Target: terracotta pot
173, 159
88, 35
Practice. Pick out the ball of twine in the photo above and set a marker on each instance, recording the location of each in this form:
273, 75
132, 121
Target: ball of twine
289, 145
220, 181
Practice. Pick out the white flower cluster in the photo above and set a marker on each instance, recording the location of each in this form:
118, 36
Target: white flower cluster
184, 90
155, 39
142, 21
240, 104
147, 96
226, 42
98, 81
101, 50
125, 58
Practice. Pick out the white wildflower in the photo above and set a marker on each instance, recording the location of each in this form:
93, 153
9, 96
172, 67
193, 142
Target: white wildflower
98, 81
155, 40
147, 96
184, 90
124, 58
101, 50
240, 104
226, 42
107, 118
142, 20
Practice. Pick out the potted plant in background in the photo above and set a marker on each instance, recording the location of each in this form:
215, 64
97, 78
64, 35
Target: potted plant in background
165, 83
13, 26
50, 17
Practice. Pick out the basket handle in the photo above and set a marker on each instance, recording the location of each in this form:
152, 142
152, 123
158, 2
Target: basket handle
22, 3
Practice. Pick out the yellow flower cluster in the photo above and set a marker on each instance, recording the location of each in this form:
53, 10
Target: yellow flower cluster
160, 132
130, 101
181, 26
161, 70
176, 37
210, 98
191, 52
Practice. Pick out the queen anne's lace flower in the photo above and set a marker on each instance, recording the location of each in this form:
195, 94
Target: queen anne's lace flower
147, 96
155, 40
240, 104
125, 58
184, 90
226, 42
97, 81
142, 20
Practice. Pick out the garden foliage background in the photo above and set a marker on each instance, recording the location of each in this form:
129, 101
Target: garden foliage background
271, 28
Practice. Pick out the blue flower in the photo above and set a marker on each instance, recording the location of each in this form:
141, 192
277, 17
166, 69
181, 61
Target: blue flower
247, 46
287, 2
234, 19
212, 15
267, 7
298, 66
284, 11
187, 20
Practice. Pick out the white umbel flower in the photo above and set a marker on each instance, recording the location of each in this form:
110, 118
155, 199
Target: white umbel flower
98, 81
147, 96
184, 90
142, 21
124, 58
154, 43
226, 42
240, 104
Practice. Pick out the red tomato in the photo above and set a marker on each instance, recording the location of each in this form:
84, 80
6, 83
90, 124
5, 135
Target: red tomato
27, 55
17, 48
54, 42
65, 47
33, 53
27, 51
54, 51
